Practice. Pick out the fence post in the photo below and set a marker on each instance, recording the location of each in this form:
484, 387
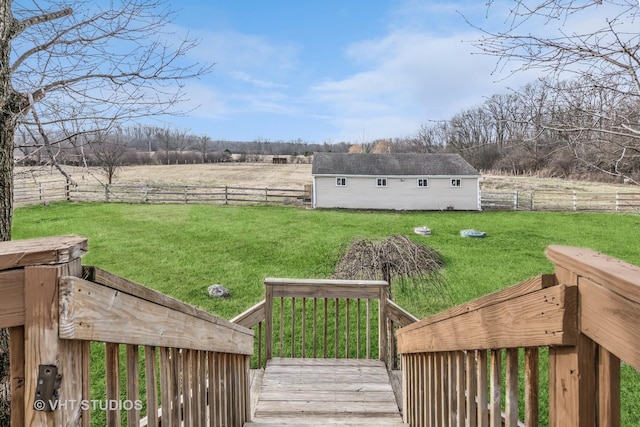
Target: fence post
226, 195
617, 201
106, 192
575, 200
146, 193
67, 191
41, 193
532, 197
515, 200
186, 194
266, 195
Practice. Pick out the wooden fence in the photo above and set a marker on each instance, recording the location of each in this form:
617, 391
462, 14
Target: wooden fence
586, 316
325, 318
29, 193
622, 202
181, 366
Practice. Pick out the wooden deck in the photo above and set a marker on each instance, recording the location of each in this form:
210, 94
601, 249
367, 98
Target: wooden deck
321, 392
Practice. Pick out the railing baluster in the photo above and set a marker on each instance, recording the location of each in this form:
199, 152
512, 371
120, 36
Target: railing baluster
214, 390
304, 327
358, 330
471, 389
326, 329
431, 394
347, 326
151, 380
336, 326
293, 327
531, 379
421, 393
315, 323
496, 392
368, 329
281, 325
185, 392
202, 395
195, 387
450, 384
165, 385
460, 397
483, 386
511, 393
112, 353
175, 387
260, 345
133, 385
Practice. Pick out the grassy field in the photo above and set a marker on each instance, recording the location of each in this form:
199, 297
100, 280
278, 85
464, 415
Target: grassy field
181, 249
289, 176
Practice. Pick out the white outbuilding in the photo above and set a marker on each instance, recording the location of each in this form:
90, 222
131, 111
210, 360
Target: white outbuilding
400, 181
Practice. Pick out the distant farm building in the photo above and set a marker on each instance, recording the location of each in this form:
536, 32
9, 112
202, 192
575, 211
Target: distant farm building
403, 181
279, 160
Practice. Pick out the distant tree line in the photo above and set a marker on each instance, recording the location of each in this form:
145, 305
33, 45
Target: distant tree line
148, 145
571, 129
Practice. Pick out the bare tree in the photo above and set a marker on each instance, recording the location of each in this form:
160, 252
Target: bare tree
106, 62
203, 144
604, 60
109, 152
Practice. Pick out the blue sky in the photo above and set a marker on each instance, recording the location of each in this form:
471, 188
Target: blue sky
331, 71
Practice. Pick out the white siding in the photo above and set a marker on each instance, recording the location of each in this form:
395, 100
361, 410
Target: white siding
401, 193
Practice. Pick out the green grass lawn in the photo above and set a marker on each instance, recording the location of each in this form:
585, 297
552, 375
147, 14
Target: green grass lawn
181, 249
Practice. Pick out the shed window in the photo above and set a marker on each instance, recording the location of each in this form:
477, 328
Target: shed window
423, 182
456, 182
341, 181
381, 182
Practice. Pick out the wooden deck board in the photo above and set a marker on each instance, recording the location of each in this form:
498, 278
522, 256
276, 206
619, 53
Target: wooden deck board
315, 392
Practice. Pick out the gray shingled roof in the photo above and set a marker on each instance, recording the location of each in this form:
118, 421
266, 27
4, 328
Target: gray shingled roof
412, 164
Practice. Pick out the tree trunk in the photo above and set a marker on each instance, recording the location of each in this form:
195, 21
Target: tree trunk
7, 126
6, 214
8, 116
5, 383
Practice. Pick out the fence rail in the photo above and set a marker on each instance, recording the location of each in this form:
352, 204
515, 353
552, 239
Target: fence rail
29, 193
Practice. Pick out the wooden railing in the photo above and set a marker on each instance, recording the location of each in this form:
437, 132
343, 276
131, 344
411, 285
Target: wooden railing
180, 365
325, 318
586, 316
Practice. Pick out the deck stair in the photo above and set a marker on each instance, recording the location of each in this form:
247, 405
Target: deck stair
326, 392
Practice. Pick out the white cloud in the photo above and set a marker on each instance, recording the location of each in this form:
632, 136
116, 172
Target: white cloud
232, 51
247, 78
408, 75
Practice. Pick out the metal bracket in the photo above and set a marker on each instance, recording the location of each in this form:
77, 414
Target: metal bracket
47, 389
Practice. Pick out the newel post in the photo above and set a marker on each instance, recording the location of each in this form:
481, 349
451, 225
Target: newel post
50, 259
572, 375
